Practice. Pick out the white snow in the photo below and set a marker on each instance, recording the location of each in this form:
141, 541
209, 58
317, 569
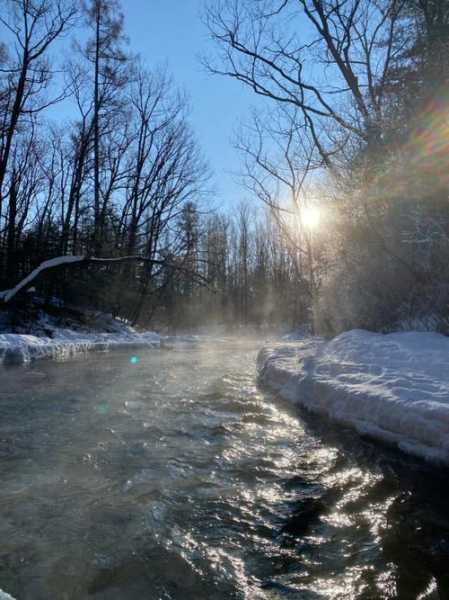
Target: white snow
6, 295
5, 596
21, 348
392, 387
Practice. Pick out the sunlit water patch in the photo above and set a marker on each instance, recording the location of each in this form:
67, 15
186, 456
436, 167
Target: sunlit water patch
169, 474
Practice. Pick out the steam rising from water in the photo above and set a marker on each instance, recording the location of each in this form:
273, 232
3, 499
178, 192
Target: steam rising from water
176, 477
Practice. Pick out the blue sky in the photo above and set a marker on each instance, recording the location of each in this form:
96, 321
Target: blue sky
171, 32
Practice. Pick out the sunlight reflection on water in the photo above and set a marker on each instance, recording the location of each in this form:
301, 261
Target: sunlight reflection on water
182, 479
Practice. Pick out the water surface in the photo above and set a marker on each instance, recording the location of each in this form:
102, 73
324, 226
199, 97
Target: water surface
171, 475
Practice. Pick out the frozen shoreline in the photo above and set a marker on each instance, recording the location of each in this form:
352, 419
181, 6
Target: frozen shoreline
16, 349
65, 343
394, 387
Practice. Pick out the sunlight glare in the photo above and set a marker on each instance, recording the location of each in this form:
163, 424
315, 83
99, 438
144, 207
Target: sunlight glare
311, 217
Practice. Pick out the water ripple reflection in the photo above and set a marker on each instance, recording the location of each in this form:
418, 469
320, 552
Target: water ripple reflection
179, 478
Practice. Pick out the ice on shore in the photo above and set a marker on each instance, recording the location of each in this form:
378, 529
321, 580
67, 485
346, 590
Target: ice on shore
392, 387
64, 343
20, 348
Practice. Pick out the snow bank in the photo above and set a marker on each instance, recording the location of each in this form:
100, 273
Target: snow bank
47, 339
5, 596
64, 343
392, 387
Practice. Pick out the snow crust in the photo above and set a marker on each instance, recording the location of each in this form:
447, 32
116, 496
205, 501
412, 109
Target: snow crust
64, 343
392, 387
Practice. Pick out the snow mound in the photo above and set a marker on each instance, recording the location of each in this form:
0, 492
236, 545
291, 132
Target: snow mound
5, 596
17, 349
392, 387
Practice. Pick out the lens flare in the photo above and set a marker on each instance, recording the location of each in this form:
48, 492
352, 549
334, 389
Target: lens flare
311, 217
134, 360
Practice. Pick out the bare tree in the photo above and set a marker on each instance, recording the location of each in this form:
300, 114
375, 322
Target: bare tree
105, 53
33, 26
329, 60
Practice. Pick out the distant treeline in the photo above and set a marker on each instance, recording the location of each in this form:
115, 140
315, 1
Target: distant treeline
121, 176
253, 273
356, 124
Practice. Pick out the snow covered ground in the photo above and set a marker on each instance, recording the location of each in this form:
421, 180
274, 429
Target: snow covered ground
392, 387
45, 339
64, 343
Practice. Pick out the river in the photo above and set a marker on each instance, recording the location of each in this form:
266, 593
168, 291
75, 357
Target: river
170, 474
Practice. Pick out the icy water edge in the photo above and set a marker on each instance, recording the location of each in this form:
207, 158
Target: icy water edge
172, 475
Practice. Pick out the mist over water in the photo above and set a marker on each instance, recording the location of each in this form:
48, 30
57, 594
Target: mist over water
169, 474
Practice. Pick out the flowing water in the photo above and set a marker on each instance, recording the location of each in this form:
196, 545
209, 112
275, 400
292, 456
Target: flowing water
171, 475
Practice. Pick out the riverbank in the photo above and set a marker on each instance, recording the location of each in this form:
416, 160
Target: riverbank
49, 338
16, 349
45, 336
393, 387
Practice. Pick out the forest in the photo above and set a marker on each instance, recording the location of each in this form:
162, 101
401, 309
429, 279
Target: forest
343, 221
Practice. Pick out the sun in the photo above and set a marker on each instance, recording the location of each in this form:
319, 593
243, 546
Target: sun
311, 217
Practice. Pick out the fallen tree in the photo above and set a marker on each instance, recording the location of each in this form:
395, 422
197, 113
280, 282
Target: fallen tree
68, 261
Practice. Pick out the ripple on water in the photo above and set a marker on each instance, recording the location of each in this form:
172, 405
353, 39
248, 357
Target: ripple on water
181, 479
